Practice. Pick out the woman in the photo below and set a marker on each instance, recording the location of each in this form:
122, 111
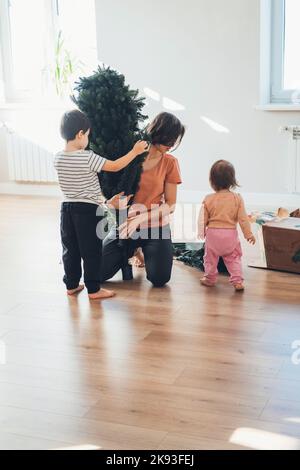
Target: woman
147, 226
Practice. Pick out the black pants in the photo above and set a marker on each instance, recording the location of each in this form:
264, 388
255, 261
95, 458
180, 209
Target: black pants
158, 255
79, 238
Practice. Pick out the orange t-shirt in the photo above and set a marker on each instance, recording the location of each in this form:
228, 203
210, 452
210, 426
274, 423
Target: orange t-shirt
152, 185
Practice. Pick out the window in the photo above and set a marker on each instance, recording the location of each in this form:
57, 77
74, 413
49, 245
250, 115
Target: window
285, 40
27, 45
47, 45
73, 18
292, 42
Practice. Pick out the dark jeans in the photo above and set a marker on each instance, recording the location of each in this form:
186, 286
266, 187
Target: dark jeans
158, 255
80, 242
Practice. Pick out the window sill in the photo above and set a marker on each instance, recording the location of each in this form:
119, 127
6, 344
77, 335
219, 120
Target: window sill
278, 107
59, 105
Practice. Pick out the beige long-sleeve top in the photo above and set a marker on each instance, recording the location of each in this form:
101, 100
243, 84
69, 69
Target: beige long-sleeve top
224, 209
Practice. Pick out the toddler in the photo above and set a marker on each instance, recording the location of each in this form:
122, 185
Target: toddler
218, 219
78, 170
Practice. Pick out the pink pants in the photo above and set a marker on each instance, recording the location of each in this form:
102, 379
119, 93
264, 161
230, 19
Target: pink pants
225, 243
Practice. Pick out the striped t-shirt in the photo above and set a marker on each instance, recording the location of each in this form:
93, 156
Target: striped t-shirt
78, 175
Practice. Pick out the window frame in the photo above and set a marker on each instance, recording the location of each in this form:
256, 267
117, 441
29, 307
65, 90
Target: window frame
278, 94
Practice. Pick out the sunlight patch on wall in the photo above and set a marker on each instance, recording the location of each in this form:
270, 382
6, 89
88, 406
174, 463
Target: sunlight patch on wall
154, 95
215, 125
293, 420
167, 103
263, 440
172, 105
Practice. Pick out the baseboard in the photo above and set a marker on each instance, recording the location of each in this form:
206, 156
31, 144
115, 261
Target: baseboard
27, 189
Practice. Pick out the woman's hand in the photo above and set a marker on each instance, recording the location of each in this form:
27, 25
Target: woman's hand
128, 228
251, 240
119, 201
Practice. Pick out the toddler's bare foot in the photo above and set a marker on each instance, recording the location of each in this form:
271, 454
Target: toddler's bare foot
75, 291
205, 282
239, 287
138, 259
102, 294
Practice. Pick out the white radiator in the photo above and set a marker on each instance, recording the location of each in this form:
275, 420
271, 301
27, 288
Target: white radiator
28, 161
294, 157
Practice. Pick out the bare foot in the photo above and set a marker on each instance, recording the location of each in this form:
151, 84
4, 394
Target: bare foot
102, 294
205, 282
138, 259
239, 287
75, 291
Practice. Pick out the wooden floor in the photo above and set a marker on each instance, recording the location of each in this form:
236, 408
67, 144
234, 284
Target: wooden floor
175, 368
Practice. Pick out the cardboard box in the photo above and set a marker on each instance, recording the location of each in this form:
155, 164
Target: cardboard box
282, 245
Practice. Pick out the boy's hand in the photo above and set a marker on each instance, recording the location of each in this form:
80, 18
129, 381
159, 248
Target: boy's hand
119, 201
141, 147
251, 240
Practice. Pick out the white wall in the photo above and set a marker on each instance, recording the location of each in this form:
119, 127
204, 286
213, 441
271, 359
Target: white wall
205, 55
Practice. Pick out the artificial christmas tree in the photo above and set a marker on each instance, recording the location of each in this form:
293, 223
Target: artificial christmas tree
115, 112
192, 254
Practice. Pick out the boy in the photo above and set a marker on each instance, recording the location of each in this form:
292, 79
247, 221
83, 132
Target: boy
78, 170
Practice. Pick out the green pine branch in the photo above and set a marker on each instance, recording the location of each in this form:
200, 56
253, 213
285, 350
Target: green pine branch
115, 111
